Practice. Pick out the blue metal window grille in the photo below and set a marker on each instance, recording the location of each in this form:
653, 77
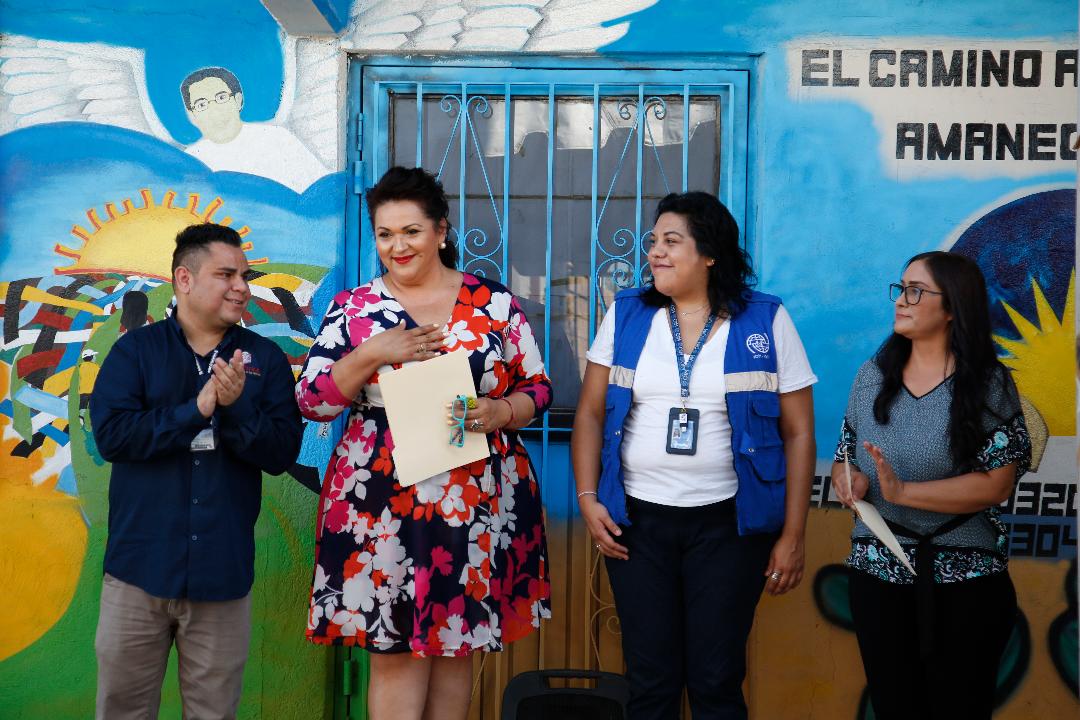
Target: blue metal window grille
560, 217
554, 174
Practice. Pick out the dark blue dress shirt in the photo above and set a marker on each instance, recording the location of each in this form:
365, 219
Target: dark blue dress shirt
182, 523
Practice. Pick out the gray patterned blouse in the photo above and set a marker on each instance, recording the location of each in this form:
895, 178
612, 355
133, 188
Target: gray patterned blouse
915, 441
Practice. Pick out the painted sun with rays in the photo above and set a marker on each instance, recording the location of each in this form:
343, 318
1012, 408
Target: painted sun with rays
1025, 245
1042, 359
139, 240
125, 252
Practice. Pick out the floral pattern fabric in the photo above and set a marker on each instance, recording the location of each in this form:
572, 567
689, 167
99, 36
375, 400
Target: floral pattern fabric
1007, 443
455, 563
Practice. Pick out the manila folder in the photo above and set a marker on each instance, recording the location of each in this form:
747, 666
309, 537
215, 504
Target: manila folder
417, 399
872, 519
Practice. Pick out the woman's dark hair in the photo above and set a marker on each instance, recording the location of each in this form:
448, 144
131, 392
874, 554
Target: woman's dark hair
419, 186
716, 235
976, 364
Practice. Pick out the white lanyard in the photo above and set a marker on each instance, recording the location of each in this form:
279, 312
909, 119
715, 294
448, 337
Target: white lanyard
209, 366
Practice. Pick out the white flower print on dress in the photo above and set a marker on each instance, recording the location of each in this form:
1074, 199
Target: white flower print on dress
358, 592
316, 366
332, 335
433, 489
499, 307
452, 502
350, 622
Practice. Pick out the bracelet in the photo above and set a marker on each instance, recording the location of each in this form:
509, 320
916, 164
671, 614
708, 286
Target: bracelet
511, 420
587, 492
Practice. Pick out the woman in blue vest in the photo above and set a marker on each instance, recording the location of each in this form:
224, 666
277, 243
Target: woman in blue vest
935, 439
694, 466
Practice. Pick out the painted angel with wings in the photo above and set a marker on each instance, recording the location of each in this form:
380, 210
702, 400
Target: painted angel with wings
43, 81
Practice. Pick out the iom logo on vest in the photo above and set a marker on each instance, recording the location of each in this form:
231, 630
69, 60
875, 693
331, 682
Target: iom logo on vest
758, 344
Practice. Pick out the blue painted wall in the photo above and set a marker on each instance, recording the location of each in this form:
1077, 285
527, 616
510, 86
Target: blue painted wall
830, 222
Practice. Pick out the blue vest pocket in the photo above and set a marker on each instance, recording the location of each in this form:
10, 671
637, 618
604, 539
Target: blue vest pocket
760, 443
767, 458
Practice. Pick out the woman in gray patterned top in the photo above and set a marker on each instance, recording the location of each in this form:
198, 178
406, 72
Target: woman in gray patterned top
936, 441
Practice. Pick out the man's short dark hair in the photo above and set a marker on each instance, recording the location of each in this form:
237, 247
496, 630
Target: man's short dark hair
194, 240
208, 72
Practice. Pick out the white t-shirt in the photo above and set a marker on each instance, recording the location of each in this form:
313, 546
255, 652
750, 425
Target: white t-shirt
271, 151
652, 474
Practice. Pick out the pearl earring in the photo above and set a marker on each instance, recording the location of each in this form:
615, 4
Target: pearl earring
442, 246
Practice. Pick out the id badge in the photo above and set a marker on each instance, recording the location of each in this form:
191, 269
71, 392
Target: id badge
205, 441
682, 431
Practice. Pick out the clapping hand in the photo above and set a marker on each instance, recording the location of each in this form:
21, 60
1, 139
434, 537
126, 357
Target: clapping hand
892, 487
207, 399
229, 379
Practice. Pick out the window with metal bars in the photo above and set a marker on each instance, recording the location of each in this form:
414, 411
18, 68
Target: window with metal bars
553, 181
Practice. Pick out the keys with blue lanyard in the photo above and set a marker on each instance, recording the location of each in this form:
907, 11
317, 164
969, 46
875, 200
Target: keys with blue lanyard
206, 440
683, 421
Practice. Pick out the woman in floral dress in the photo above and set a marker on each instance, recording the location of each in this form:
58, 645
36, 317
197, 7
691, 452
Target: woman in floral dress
423, 576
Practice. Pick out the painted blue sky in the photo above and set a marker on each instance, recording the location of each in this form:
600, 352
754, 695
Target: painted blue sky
693, 26
78, 166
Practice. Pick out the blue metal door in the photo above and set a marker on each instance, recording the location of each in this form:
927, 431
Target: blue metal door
553, 174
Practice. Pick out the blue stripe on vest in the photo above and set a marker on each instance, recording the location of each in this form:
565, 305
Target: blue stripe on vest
753, 409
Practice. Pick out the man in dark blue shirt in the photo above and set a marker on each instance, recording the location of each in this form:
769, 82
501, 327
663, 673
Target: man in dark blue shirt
191, 411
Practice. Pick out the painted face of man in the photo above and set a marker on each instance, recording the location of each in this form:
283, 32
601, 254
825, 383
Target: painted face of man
215, 109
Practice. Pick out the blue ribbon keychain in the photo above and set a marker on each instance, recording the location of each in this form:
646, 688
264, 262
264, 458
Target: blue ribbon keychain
683, 421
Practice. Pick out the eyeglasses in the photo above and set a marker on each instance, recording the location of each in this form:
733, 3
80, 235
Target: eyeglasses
202, 103
912, 293
458, 408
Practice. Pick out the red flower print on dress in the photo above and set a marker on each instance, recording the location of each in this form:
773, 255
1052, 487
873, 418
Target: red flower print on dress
469, 332
337, 517
384, 464
360, 328
402, 503
478, 296
341, 479
421, 584
440, 559
353, 566
475, 586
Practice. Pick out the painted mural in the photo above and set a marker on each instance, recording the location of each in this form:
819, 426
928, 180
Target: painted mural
874, 135
101, 169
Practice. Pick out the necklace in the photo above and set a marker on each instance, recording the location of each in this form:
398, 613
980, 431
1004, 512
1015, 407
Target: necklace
691, 312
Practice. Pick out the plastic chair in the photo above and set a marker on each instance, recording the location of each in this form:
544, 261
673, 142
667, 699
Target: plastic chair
530, 696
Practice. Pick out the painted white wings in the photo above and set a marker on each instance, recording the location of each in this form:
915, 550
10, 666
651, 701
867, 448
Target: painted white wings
314, 69
487, 25
310, 94
43, 81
